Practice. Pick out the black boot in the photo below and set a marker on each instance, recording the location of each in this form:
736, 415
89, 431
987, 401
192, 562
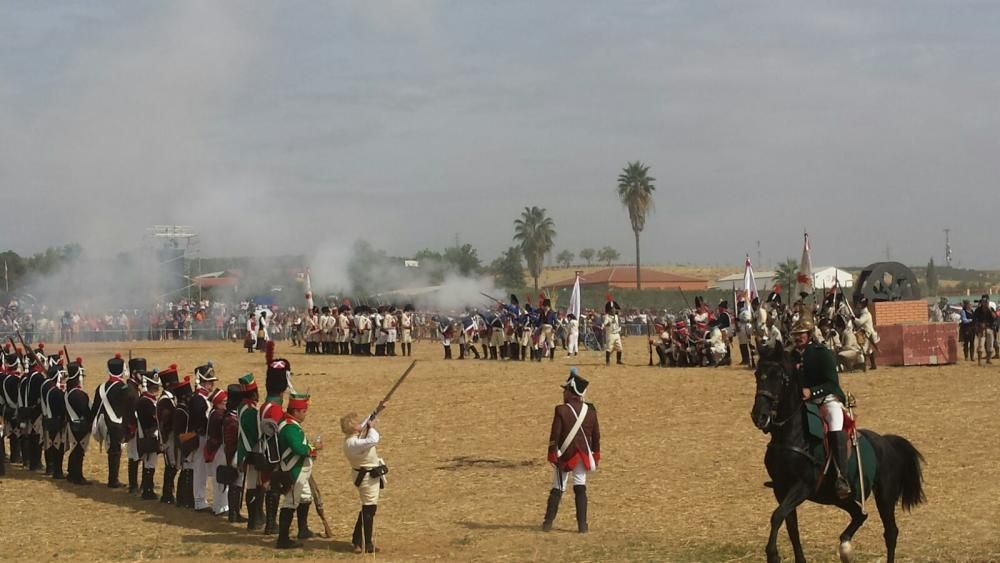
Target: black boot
524, 353
474, 350
284, 527
75, 475
114, 460
744, 354
169, 472
133, 476
839, 442
551, 509
618, 358
580, 492
49, 465
254, 519
552, 354
181, 501
447, 352
235, 500
302, 517
34, 462
486, 352
871, 359
461, 351
3, 458
607, 358
148, 484
15, 449
369, 526
271, 513
57, 463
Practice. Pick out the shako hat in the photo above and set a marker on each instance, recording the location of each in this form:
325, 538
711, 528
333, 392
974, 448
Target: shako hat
116, 366
234, 396
298, 401
247, 383
205, 373
168, 377
74, 370
575, 383
278, 373
182, 388
137, 364
152, 378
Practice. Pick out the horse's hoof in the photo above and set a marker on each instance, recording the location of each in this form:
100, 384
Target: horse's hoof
846, 552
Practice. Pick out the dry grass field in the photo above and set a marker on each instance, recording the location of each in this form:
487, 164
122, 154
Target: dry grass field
681, 478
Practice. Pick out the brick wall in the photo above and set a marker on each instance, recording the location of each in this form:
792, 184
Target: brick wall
886, 313
918, 344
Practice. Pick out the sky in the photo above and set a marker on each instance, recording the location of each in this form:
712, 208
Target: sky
299, 127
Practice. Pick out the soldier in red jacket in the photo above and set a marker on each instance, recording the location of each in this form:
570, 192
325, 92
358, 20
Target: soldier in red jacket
574, 449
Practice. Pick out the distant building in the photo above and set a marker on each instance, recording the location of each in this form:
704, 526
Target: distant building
764, 280
822, 278
624, 278
830, 276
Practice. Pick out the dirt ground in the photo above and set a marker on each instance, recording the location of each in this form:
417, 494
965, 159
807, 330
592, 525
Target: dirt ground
681, 478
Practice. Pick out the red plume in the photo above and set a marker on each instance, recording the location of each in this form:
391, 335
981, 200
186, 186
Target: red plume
61, 352
41, 345
608, 297
118, 355
527, 299
541, 297
269, 352
79, 360
777, 288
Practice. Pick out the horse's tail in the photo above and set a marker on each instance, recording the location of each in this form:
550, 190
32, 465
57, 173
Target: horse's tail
911, 477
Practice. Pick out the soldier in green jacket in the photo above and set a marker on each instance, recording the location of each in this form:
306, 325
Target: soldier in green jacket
296, 458
820, 384
247, 447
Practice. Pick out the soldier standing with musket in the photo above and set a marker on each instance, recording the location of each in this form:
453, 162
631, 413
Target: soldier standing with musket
166, 404
199, 407
296, 459
248, 456
55, 426
185, 443
136, 372
29, 413
78, 422
147, 433
213, 443
574, 449
277, 383
111, 400
230, 443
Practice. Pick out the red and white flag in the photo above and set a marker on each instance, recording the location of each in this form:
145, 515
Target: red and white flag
804, 277
749, 283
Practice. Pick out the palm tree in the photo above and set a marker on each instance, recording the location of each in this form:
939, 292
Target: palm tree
787, 273
635, 189
535, 233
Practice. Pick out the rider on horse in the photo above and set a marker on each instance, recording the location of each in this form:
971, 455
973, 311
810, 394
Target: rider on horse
820, 384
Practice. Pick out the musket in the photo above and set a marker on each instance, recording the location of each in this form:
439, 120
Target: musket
27, 349
381, 404
649, 339
318, 501
684, 297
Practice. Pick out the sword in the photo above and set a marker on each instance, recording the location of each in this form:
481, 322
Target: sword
857, 454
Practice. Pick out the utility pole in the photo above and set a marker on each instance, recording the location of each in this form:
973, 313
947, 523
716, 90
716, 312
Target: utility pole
760, 263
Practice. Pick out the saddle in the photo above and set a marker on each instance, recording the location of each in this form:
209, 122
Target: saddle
821, 454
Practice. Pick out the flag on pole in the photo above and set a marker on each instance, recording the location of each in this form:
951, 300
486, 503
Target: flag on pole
749, 283
6, 282
804, 277
309, 292
574, 299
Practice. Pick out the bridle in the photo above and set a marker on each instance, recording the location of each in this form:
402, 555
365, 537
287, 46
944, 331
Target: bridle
772, 414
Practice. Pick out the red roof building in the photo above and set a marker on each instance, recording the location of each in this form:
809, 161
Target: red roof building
624, 278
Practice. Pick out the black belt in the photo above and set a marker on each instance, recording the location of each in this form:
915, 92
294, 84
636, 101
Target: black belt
377, 471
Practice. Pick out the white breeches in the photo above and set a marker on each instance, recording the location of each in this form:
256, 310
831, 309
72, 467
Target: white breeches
613, 343
200, 475
832, 411
132, 448
573, 346
561, 476
220, 492
301, 492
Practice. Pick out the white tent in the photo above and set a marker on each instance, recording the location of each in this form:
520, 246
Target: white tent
830, 276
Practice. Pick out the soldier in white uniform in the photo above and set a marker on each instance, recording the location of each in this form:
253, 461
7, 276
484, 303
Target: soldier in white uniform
573, 339
367, 473
406, 323
612, 326
850, 357
344, 321
390, 324
865, 323
715, 344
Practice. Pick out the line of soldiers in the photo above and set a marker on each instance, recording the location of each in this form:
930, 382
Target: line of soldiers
514, 332
346, 331
704, 337
246, 449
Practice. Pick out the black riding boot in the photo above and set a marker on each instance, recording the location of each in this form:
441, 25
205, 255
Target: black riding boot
114, 461
57, 463
474, 350
181, 501
15, 449
618, 358
607, 358
552, 354
380, 349
486, 352
871, 359
839, 442
284, 527
76, 467
302, 517
169, 472
25, 449
235, 500
447, 352
148, 483
3, 458
551, 509
133, 476
580, 492
362, 537
271, 513
49, 466
524, 353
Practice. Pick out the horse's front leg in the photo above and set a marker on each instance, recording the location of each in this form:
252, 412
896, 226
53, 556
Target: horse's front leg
792, 523
796, 495
858, 518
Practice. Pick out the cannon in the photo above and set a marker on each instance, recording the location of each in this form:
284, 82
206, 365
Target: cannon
886, 281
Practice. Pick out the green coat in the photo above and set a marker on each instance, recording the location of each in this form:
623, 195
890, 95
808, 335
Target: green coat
294, 447
249, 430
818, 371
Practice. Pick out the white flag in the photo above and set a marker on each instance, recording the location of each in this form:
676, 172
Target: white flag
309, 292
574, 299
749, 283
804, 277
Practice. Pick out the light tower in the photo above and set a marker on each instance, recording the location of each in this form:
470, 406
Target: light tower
947, 247
175, 246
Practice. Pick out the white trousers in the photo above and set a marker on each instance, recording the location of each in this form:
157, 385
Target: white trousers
200, 475
301, 492
149, 460
132, 448
832, 411
253, 477
573, 347
561, 477
220, 492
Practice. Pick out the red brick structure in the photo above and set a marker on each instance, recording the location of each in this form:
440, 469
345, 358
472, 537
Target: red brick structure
907, 339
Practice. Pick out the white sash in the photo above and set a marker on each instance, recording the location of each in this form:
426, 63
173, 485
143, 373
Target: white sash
576, 428
73, 416
110, 412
